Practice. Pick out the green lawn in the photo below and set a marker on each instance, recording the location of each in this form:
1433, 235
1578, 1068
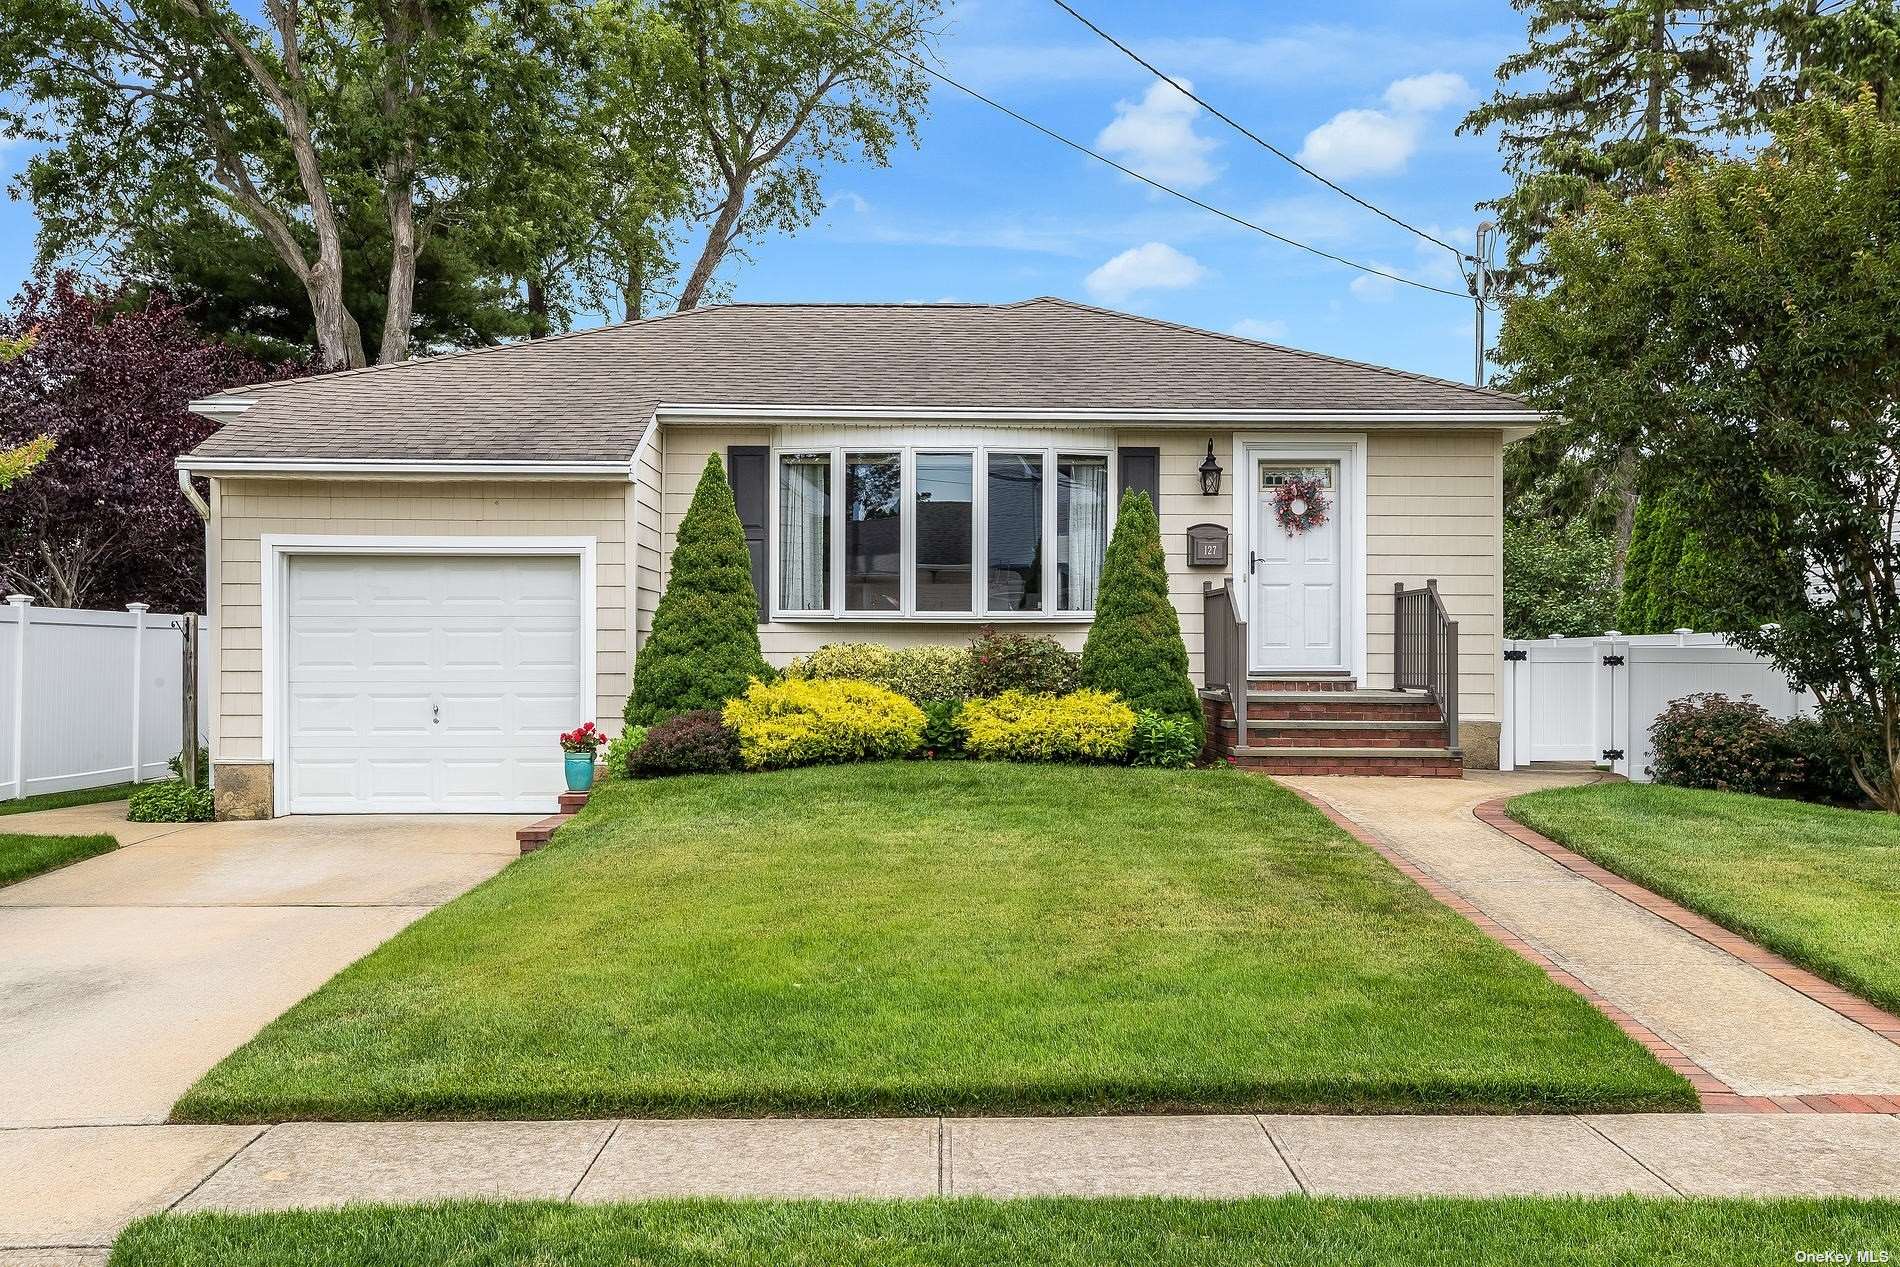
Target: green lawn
937, 937
22, 857
1052, 1233
1815, 884
61, 800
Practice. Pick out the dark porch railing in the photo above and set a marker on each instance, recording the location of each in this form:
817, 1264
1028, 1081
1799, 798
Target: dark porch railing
1425, 650
1224, 667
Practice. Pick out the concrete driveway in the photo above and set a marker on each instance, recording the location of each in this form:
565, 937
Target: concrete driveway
125, 977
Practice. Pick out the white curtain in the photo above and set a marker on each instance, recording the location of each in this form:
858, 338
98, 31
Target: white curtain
804, 517
1086, 534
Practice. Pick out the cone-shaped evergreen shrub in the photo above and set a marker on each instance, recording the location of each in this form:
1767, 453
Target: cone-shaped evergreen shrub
704, 646
1134, 647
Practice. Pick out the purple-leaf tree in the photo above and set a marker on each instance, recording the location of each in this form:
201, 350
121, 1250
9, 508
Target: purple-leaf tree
100, 521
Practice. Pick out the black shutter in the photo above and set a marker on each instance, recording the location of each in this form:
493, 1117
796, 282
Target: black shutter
1141, 468
746, 469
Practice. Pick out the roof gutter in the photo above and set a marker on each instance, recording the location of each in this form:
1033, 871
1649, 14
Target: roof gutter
212, 465
190, 491
687, 412
220, 406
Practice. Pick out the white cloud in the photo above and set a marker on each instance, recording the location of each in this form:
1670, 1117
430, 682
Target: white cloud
1379, 142
1156, 137
1254, 328
1422, 94
1151, 266
1360, 143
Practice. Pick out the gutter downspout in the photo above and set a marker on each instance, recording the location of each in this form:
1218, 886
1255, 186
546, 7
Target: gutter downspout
190, 491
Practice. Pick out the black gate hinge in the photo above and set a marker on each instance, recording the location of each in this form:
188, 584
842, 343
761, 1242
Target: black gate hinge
1612, 754
1613, 661
1517, 653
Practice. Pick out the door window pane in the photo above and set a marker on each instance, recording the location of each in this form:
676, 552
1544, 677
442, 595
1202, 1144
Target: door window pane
804, 532
873, 491
945, 520
1081, 530
1015, 532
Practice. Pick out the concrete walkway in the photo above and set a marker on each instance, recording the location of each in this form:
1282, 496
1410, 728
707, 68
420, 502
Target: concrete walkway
125, 977
1751, 1031
76, 1187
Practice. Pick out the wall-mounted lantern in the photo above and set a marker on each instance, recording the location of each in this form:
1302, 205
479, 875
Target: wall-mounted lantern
1210, 473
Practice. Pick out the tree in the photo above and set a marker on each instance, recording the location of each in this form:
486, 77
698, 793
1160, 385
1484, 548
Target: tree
704, 645
1134, 648
1556, 579
1745, 312
101, 521
773, 89
153, 110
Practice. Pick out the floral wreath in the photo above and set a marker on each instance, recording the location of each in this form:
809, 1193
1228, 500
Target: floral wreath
1300, 503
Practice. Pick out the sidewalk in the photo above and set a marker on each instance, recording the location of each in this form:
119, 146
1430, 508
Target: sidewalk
77, 1186
1749, 1036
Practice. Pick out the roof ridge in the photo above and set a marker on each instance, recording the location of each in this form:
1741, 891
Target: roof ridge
460, 353
1262, 343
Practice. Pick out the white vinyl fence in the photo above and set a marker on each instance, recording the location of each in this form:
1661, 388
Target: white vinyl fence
90, 698
1593, 699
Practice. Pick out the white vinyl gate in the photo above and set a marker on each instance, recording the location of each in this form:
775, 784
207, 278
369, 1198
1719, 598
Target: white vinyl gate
1593, 699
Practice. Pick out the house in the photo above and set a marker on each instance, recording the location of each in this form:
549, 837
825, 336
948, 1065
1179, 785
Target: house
421, 572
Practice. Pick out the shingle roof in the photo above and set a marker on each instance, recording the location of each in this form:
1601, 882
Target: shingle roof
587, 396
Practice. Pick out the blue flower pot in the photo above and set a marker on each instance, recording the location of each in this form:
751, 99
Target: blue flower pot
580, 771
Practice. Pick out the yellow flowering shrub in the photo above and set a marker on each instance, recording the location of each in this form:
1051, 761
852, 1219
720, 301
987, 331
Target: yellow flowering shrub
1079, 726
797, 721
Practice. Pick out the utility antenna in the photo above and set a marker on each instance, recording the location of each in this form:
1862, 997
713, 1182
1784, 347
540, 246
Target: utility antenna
1479, 281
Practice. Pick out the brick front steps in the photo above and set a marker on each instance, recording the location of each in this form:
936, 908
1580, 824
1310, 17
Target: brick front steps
1329, 726
537, 834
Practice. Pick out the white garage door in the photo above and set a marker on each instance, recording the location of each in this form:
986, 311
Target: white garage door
431, 683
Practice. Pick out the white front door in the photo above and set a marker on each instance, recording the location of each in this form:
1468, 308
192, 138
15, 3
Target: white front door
430, 682
1298, 580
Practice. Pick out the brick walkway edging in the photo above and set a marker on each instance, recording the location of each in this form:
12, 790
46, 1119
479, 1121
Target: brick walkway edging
1715, 1095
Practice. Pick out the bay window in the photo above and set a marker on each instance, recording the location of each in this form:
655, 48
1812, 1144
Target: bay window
939, 532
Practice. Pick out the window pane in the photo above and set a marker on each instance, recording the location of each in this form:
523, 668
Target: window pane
873, 486
804, 532
1015, 524
945, 519
1081, 530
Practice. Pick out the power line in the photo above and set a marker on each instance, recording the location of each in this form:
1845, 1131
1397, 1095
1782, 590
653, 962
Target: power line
1190, 199
1262, 142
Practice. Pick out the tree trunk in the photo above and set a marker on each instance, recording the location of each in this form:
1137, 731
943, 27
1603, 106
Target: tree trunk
399, 197
1623, 488
718, 239
633, 289
538, 325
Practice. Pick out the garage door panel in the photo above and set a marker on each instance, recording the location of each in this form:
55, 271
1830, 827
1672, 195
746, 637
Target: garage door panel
432, 682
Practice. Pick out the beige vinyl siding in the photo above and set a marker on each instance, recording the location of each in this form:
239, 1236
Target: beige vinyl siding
1433, 510
643, 531
247, 509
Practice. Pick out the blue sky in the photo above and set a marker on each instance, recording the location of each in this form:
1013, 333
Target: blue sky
986, 210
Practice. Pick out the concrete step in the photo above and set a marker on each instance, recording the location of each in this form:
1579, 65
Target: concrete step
1441, 763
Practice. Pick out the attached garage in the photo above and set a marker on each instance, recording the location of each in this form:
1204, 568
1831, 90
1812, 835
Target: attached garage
430, 679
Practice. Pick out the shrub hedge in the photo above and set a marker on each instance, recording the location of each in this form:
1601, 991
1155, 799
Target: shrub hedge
616, 763
1034, 664
698, 742
172, 801
704, 645
1168, 743
1726, 745
920, 674
1134, 647
799, 722
1018, 726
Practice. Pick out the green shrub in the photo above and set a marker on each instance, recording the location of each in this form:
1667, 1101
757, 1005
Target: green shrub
176, 764
1827, 755
919, 674
1079, 726
943, 728
1726, 745
173, 801
620, 750
698, 742
1034, 664
1134, 647
800, 722
1170, 743
704, 646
